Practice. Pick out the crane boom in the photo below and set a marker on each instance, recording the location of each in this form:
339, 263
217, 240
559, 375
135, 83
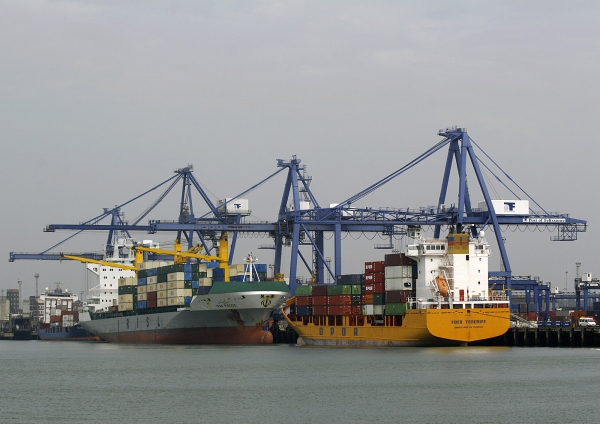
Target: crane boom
103, 263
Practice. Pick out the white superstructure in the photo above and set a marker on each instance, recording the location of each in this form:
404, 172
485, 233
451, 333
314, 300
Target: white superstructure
462, 262
104, 294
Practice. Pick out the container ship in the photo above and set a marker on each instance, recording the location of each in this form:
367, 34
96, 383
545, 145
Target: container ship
434, 294
187, 303
60, 318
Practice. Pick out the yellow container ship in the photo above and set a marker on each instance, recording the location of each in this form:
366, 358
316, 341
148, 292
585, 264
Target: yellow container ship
434, 294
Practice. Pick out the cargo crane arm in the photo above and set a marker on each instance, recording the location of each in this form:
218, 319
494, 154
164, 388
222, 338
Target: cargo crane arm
103, 263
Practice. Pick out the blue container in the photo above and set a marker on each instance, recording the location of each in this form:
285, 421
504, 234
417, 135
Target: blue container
187, 275
204, 290
218, 272
152, 272
187, 300
195, 284
142, 304
142, 281
261, 267
212, 265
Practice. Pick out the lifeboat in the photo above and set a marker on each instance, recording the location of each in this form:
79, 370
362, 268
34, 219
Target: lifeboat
442, 285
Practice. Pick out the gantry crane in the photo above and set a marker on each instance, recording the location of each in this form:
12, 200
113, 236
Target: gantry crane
301, 221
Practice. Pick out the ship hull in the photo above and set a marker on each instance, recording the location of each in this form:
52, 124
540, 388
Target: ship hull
75, 333
427, 327
220, 318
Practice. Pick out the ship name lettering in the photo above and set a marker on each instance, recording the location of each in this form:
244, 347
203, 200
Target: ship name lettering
475, 321
457, 321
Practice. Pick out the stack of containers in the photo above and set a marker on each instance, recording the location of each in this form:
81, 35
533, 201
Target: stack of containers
374, 296
348, 297
179, 285
127, 288
304, 305
398, 283
171, 285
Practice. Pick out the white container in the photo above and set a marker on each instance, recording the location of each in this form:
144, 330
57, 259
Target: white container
151, 280
142, 296
368, 309
179, 293
141, 290
161, 294
161, 286
377, 309
150, 288
173, 276
125, 298
126, 306
177, 284
205, 282
394, 284
175, 301
161, 302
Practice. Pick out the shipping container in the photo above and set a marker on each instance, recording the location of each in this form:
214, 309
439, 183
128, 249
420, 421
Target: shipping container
151, 288
367, 299
339, 300
205, 282
176, 284
395, 308
142, 304
304, 290
142, 296
340, 310
151, 303
349, 279
303, 311
162, 294
319, 309
150, 296
126, 306
161, 278
125, 298
374, 267
318, 300
179, 293
377, 277
176, 301
142, 289
319, 290
142, 281
152, 280
357, 289
378, 299
304, 300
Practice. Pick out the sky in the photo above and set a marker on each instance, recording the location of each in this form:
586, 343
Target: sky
100, 101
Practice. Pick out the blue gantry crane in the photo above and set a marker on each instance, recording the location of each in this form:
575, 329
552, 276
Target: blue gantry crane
302, 221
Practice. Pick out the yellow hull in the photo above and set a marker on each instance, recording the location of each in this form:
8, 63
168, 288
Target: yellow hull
419, 327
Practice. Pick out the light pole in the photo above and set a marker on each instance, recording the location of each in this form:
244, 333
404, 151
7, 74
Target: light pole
566, 280
37, 293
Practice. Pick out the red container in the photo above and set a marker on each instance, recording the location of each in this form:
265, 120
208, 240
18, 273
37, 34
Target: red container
369, 288
151, 303
532, 316
379, 288
375, 277
344, 299
371, 267
397, 259
319, 310
394, 296
319, 290
304, 301
151, 296
356, 310
340, 310
319, 300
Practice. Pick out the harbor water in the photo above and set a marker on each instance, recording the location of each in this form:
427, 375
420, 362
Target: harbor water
74, 382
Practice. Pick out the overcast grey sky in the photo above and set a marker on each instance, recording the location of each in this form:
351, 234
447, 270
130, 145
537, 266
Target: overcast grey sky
101, 100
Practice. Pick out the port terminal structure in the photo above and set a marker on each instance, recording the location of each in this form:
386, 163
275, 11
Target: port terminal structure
302, 221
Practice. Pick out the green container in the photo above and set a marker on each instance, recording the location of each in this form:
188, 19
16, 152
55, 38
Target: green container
161, 278
127, 289
356, 289
163, 270
303, 290
142, 273
187, 284
335, 290
346, 289
395, 309
196, 275
378, 299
